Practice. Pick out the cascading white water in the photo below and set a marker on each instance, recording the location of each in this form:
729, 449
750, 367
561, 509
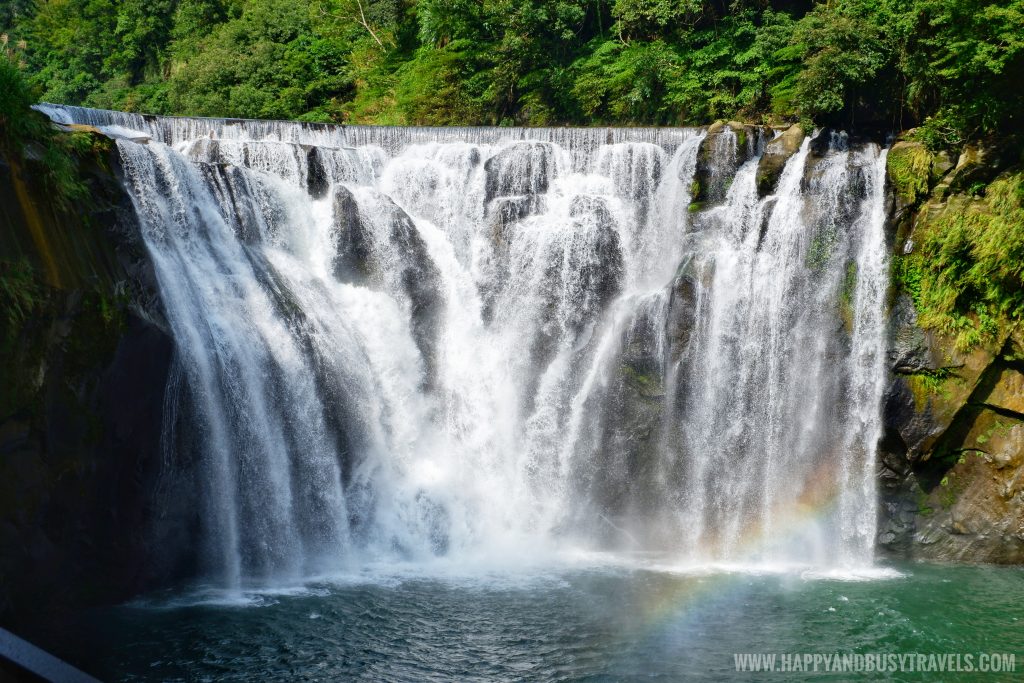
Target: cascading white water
404, 343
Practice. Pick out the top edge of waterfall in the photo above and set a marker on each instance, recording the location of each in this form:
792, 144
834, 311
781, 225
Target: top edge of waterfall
175, 129
43, 107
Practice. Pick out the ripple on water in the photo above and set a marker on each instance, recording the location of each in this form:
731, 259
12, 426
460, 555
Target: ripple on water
612, 622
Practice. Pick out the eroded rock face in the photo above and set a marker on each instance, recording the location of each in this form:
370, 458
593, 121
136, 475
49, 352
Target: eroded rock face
594, 272
633, 428
81, 412
776, 154
390, 251
725, 148
682, 308
910, 348
525, 168
952, 459
352, 258
975, 511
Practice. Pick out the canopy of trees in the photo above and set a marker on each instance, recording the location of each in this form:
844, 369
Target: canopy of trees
953, 67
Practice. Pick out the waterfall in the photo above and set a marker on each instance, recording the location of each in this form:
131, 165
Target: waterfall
405, 343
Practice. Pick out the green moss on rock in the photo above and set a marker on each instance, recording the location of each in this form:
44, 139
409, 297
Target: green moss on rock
909, 166
971, 264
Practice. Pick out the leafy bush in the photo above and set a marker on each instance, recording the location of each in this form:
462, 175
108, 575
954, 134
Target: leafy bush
27, 137
18, 123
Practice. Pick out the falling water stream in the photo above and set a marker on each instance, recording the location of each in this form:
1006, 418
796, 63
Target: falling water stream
404, 344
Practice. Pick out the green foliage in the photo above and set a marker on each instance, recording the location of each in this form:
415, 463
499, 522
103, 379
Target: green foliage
967, 277
908, 167
626, 83
951, 67
440, 88
27, 137
18, 123
652, 17
965, 62
20, 294
907, 273
843, 53
943, 131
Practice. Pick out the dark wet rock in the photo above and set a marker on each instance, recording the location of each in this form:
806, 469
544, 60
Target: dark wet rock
596, 208
974, 512
631, 426
318, 180
233, 187
951, 463
776, 154
360, 259
581, 279
525, 168
682, 306
602, 270
81, 413
955, 418
725, 148
910, 347
353, 261
504, 213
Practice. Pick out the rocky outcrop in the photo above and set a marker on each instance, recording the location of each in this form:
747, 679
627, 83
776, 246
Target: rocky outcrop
522, 169
363, 255
776, 154
952, 456
632, 428
85, 361
725, 148
953, 465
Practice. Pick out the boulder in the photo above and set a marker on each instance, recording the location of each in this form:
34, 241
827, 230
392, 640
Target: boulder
921, 405
776, 154
725, 147
318, 179
682, 306
910, 349
602, 270
977, 165
524, 168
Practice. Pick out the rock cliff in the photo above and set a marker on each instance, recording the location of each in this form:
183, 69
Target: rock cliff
84, 364
952, 470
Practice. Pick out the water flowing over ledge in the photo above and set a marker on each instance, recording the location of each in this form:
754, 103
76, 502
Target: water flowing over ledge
400, 343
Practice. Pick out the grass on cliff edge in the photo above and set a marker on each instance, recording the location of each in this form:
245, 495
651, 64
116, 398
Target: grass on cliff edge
967, 275
27, 137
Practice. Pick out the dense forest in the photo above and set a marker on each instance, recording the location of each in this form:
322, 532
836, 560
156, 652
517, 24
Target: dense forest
953, 68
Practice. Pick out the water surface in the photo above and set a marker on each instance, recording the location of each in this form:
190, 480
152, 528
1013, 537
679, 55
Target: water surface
600, 623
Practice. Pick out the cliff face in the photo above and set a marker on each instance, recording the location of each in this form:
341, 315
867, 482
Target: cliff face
952, 470
84, 363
